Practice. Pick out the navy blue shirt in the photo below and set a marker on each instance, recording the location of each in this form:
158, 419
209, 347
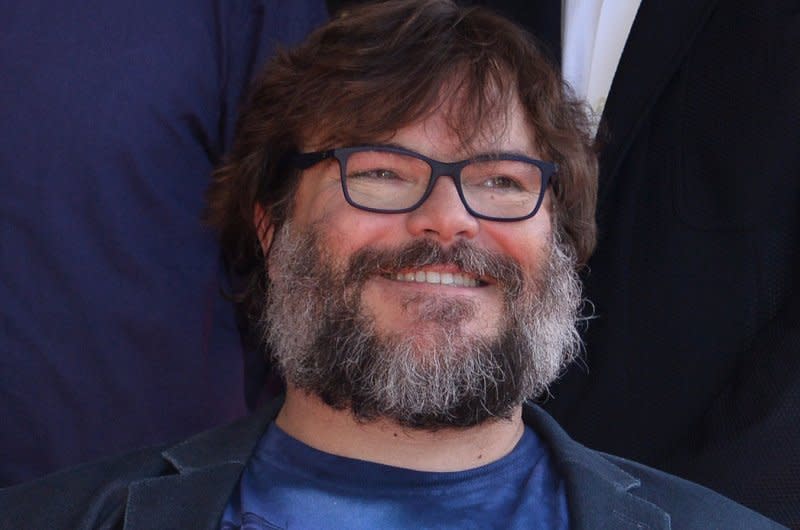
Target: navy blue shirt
289, 485
113, 332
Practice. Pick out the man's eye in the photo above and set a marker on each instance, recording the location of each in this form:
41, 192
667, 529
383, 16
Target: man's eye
375, 174
502, 182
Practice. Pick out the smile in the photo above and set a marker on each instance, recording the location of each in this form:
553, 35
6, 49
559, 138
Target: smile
437, 278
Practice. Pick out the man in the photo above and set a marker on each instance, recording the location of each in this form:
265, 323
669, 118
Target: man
411, 194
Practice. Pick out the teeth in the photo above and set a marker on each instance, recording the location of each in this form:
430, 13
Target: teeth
444, 278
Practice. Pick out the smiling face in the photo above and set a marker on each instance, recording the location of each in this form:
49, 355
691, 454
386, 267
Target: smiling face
394, 298
431, 317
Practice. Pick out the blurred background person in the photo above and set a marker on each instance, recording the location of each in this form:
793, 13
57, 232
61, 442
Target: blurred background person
113, 329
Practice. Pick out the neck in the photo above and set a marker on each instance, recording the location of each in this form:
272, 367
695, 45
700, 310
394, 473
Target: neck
337, 432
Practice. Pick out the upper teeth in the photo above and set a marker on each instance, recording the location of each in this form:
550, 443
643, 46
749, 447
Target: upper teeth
443, 278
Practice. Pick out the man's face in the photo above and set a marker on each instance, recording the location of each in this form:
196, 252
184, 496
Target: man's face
441, 218
356, 292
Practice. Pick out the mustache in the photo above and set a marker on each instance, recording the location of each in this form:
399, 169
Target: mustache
426, 252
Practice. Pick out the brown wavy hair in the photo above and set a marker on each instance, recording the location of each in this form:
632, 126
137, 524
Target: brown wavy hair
377, 68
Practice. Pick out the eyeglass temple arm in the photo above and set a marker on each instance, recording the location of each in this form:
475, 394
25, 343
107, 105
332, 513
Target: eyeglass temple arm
306, 160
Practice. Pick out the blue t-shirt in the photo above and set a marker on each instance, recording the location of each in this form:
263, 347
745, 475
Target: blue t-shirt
288, 485
113, 329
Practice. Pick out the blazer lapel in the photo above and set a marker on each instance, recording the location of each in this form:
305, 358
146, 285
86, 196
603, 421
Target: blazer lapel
661, 36
208, 469
193, 500
600, 494
601, 498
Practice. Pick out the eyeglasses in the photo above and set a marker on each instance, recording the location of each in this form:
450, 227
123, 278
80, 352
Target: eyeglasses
387, 179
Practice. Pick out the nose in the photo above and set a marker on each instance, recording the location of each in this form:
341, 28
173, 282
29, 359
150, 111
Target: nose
443, 215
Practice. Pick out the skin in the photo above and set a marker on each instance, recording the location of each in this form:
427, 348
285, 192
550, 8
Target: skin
319, 199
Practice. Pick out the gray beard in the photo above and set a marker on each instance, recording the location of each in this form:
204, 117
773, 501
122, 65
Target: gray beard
325, 343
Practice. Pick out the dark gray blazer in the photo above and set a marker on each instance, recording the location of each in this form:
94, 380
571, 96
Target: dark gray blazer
187, 486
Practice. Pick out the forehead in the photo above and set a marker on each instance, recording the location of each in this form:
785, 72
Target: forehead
445, 134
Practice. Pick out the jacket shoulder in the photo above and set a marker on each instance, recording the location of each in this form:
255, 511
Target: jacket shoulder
606, 491
96, 495
88, 496
691, 505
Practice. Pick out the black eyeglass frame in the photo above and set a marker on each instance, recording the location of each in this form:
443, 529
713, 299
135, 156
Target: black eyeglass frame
304, 161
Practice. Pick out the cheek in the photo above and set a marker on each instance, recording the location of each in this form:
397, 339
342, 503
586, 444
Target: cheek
345, 229
320, 203
527, 243
312, 202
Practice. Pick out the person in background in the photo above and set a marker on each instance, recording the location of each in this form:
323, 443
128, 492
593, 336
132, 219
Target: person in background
696, 332
113, 329
412, 194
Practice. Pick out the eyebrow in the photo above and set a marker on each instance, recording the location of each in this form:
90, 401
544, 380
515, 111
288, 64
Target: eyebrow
514, 152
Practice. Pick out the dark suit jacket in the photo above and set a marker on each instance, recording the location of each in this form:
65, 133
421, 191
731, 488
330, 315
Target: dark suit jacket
187, 486
696, 344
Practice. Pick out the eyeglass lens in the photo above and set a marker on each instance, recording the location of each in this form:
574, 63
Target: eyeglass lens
393, 181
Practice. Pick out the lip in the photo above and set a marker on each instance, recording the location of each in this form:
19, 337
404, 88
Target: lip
438, 267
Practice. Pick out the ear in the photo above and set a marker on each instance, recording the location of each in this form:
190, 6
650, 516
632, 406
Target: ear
265, 230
